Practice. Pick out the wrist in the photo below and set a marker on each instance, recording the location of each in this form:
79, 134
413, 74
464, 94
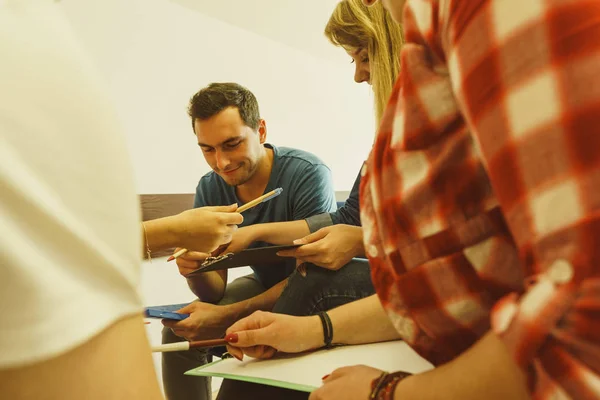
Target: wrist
259, 232
315, 332
384, 387
359, 244
158, 234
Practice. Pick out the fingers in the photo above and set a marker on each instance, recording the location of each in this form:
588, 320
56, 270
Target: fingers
236, 352
192, 256
190, 261
190, 308
263, 352
221, 209
251, 331
219, 250
300, 252
231, 218
252, 321
313, 237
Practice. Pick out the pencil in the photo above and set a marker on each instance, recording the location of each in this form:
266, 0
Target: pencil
248, 205
184, 346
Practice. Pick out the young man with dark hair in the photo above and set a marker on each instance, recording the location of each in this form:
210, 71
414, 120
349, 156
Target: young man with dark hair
232, 136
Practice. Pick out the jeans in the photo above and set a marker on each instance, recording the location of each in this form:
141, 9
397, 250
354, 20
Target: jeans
320, 290
178, 386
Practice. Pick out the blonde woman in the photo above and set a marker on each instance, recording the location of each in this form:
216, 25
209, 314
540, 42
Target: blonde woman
372, 40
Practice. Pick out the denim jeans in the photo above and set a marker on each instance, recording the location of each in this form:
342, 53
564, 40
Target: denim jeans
320, 290
178, 386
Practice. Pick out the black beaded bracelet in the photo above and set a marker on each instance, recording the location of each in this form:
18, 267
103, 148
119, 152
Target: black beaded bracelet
327, 329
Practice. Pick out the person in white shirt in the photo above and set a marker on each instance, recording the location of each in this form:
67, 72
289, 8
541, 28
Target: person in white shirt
70, 237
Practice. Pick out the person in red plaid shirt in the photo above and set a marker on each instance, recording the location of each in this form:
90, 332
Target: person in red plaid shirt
480, 205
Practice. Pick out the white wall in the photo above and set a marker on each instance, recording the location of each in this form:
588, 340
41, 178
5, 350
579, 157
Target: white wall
155, 54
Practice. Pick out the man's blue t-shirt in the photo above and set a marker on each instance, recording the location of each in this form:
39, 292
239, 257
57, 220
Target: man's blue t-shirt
307, 190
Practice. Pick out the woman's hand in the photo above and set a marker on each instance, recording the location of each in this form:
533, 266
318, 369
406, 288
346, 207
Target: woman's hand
263, 334
206, 228
348, 383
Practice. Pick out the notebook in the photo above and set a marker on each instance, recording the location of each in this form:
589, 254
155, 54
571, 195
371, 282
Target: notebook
260, 255
304, 371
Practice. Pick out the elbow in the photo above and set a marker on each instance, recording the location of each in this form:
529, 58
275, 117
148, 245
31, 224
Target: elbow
207, 293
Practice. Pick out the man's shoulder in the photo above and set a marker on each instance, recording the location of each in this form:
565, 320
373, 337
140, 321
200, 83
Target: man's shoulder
300, 157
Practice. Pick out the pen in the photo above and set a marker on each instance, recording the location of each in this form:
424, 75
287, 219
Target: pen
184, 346
265, 197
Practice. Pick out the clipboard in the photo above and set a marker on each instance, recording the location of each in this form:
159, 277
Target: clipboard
260, 255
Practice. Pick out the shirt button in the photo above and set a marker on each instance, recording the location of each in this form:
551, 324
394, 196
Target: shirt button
560, 272
363, 170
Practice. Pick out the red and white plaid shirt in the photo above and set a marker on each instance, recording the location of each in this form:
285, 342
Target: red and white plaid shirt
480, 201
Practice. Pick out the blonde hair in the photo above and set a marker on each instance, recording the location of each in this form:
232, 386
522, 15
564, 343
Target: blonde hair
354, 26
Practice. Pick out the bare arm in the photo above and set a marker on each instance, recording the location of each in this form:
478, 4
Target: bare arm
485, 371
262, 333
117, 364
348, 319
278, 233
210, 286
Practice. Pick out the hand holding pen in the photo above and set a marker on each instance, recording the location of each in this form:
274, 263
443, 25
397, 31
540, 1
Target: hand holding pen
226, 238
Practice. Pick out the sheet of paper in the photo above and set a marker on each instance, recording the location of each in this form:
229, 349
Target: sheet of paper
304, 371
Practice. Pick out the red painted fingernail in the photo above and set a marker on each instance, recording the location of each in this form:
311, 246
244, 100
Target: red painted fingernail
325, 377
232, 338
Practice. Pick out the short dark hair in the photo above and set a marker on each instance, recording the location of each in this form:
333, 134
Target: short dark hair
216, 97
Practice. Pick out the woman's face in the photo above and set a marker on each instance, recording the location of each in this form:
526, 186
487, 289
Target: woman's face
394, 7
362, 68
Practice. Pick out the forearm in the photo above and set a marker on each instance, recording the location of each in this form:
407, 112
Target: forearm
485, 371
114, 364
348, 319
280, 233
263, 302
158, 235
209, 286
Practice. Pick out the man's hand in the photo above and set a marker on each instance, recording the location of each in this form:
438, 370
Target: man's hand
262, 334
347, 383
205, 228
331, 247
189, 261
206, 321
240, 240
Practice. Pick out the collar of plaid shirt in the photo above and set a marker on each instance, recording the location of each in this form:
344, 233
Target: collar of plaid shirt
480, 199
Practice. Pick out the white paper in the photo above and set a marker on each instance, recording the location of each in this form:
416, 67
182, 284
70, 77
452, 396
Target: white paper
300, 371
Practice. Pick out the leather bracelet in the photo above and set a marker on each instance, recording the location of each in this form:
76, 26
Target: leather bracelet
383, 387
327, 329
